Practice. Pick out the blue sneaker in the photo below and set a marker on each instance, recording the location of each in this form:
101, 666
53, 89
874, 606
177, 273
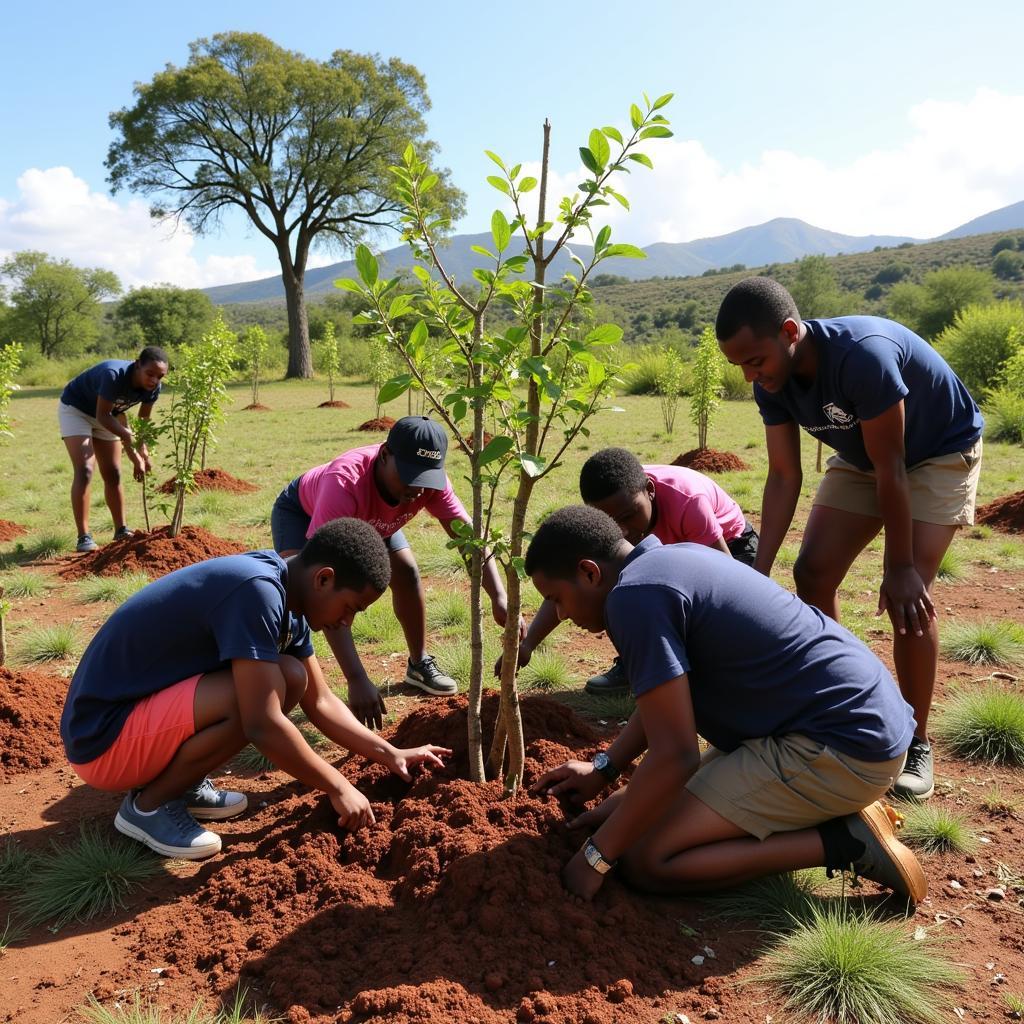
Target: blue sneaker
206, 802
169, 830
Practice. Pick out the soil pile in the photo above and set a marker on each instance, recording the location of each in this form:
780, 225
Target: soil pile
488, 438
30, 707
10, 531
213, 480
710, 460
1006, 513
336, 404
380, 423
155, 553
450, 908
256, 407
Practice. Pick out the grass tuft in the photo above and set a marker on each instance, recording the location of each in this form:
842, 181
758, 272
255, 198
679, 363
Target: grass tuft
776, 902
252, 759
10, 933
933, 828
999, 803
951, 567
983, 643
378, 627
986, 724
1014, 1005
147, 1012
116, 589
48, 545
48, 643
546, 672
446, 610
25, 584
14, 865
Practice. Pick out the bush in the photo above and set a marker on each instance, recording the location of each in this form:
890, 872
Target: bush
892, 272
1008, 266
983, 643
734, 385
934, 829
932, 306
1004, 416
1007, 242
980, 340
648, 365
986, 724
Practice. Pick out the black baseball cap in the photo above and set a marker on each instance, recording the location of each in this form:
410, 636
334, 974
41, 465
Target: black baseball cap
419, 446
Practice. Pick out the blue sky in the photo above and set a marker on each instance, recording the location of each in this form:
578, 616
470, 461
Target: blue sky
897, 117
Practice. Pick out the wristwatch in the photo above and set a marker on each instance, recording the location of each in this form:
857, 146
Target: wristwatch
603, 763
595, 858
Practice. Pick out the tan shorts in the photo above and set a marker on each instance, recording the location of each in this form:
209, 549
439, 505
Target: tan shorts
942, 490
75, 423
785, 783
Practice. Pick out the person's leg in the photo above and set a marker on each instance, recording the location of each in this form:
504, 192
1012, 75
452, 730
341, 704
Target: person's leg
408, 601
83, 462
832, 540
108, 455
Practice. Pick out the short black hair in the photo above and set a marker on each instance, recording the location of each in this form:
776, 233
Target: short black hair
760, 303
609, 471
354, 550
152, 354
569, 535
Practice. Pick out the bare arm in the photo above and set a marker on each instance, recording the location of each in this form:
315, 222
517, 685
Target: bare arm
115, 424
781, 491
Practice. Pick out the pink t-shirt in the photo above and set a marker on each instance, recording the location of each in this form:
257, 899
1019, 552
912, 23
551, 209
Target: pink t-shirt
692, 507
345, 487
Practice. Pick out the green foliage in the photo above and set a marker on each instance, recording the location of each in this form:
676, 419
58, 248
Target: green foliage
933, 828
669, 385
546, 672
447, 610
951, 566
253, 346
48, 643
894, 271
46, 545
25, 584
932, 306
1004, 415
708, 368
147, 435
775, 902
983, 643
815, 290
163, 315
980, 340
734, 385
382, 366
10, 364
14, 865
116, 589
645, 368
327, 356
1008, 266
986, 724
1006, 242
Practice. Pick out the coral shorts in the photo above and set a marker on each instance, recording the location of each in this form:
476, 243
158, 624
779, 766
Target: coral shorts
148, 741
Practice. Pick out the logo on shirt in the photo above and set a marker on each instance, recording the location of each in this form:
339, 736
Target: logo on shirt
838, 417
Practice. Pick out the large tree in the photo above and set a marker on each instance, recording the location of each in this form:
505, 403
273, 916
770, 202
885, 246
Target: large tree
164, 315
301, 146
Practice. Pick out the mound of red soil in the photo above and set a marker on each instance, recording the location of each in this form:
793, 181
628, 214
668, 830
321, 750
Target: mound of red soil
155, 553
450, 908
380, 423
10, 531
468, 438
213, 480
710, 460
1006, 513
30, 707
256, 407
336, 404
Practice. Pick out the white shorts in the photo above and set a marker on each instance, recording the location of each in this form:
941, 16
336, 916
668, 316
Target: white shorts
75, 423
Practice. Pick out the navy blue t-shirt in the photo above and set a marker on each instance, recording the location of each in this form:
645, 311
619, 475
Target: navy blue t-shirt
866, 365
194, 620
760, 662
112, 380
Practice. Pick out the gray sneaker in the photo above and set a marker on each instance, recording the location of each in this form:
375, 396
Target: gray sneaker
170, 830
206, 802
122, 532
885, 859
917, 780
610, 682
86, 543
426, 676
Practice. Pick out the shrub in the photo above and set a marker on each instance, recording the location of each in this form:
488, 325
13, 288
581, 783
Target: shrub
707, 383
985, 725
983, 643
934, 829
892, 272
642, 378
1004, 416
980, 340
10, 365
1008, 266
669, 385
734, 385
48, 643
545, 672
1006, 242
930, 307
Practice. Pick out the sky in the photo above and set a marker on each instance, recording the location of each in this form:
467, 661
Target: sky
899, 117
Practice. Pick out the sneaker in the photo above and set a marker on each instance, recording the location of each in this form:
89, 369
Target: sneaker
426, 676
206, 802
122, 532
885, 859
916, 781
611, 681
86, 543
170, 830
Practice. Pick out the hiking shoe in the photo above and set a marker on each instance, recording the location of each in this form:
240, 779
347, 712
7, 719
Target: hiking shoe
206, 802
122, 531
426, 676
170, 830
916, 781
885, 859
610, 682
86, 543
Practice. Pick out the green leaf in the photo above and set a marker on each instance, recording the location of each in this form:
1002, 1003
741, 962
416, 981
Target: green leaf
483, 252
656, 131
366, 264
663, 100
589, 160
613, 133
410, 154
605, 334
428, 183
485, 277
496, 448
394, 388
622, 249
422, 273
418, 335
514, 173
596, 373
501, 232
636, 116
500, 184
527, 184
602, 238
533, 465
599, 147
459, 410
642, 158
497, 159
621, 200
348, 285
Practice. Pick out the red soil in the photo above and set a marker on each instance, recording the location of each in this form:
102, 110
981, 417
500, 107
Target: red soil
10, 531
487, 439
213, 480
1006, 513
380, 423
336, 404
256, 407
709, 460
156, 553
30, 707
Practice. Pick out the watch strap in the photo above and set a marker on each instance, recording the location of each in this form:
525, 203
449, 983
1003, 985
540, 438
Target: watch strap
595, 858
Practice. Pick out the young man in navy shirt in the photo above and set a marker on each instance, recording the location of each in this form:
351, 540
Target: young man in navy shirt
807, 729
214, 656
91, 414
908, 440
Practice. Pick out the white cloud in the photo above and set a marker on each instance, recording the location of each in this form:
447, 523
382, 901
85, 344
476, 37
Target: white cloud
960, 160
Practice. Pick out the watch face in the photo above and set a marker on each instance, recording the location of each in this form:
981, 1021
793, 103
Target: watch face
601, 761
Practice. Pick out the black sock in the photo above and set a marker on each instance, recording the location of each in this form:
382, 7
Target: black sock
841, 848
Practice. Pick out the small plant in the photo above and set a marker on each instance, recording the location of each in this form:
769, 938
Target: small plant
48, 643
25, 584
983, 643
776, 902
642, 377
116, 589
147, 436
932, 828
546, 672
847, 969
447, 610
999, 803
14, 865
10, 364
378, 626
83, 879
252, 759
951, 566
48, 545
735, 387
986, 724
253, 346
980, 532
10, 933
1014, 1005
147, 1012
327, 352
669, 385
1004, 415
382, 366
707, 384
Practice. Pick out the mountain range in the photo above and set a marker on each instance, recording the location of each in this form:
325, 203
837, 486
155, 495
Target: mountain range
781, 240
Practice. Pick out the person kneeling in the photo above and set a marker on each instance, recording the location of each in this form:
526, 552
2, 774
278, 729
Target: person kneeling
211, 657
807, 728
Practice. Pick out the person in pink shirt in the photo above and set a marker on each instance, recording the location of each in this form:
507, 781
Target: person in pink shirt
672, 503
384, 485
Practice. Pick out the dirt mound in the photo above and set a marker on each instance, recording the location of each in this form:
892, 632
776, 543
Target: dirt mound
30, 707
336, 404
10, 531
488, 438
155, 553
213, 480
380, 423
710, 460
450, 908
256, 407
1006, 513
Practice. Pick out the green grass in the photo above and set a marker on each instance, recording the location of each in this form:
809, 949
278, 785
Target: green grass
933, 828
951, 567
14, 865
88, 877
997, 802
842, 968
980, 532
447, 610
546, 672
21, 583
140, 1011
377, 627
115, 589
48, 643
1014, 1005
983, 643
47, 545
776, 903
10, 933
985, 724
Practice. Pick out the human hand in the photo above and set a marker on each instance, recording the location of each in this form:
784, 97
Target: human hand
576, 780
905, 597
140, 467
352, 808
366, 703
580, 878
594, 819
400, 761
525, 653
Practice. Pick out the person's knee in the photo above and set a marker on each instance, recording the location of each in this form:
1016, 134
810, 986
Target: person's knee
810, 575
295, 680
637, 869
111, 475
405, 575
83, 474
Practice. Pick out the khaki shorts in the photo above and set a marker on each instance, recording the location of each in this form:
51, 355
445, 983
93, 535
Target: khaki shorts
942, 490
75, 423
785, 783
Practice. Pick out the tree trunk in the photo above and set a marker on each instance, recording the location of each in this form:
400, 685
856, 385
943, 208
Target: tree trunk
476, 641
300, 359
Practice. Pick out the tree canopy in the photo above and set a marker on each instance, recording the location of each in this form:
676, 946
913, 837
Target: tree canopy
164, 315
301, 147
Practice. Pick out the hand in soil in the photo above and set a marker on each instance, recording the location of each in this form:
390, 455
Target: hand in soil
352, 808
906, 598
413, 757
593, 819
366, 703
576, 781
580, 878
